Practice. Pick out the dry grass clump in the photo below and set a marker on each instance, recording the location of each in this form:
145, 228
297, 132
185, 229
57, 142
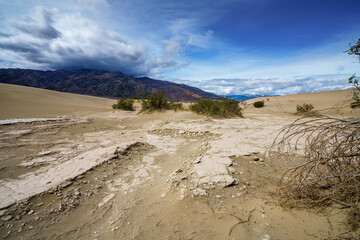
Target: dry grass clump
305, 108
331, 172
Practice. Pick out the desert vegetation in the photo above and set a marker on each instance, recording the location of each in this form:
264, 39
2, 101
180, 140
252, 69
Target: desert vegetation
330, 173
305, 108
124, 104
354, 50
222, 108
258, 104
159, 101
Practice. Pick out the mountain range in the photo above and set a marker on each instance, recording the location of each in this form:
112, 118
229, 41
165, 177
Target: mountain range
100, 83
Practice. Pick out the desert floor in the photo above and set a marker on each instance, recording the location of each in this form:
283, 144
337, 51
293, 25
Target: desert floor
73, 168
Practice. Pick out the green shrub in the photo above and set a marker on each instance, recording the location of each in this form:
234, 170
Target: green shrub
176, 106
223, 107
159, 101
304, 108
124, 104
356, 93
258, 104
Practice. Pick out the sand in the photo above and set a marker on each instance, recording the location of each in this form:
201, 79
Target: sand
73, 168
27, 102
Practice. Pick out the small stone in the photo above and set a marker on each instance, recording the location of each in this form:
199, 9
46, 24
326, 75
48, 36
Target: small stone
232, 170
198, 160
61, 208
266, 237
246, 154
39, 204
30, 212
179, 170
20, 230
80, 177
18, 217
2, 212
261, 160
7, 218
65, 184
31, 227
256, 158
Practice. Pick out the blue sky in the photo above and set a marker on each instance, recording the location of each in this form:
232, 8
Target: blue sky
226, 47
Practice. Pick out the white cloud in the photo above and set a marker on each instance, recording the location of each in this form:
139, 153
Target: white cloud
271, 86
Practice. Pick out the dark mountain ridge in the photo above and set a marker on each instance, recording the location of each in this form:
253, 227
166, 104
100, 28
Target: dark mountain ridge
100, 83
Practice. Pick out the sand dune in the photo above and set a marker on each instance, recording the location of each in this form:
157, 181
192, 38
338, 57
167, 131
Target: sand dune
25, 102
328, 103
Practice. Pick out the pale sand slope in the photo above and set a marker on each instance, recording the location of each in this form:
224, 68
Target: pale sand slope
26, 102
328, 103
168, 185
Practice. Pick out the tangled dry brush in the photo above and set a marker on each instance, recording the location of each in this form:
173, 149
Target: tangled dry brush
331, 170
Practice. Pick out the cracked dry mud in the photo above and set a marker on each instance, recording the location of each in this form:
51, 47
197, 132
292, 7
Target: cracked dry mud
120, 175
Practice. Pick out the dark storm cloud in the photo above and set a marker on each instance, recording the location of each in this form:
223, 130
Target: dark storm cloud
49, 39
40, 25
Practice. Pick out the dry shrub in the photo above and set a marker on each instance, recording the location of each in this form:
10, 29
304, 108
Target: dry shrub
331, 172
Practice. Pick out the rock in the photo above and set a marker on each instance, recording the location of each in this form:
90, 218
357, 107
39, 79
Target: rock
266, 237
246, 154
30, 212
79, 177
2, 212
232, 170
179, 170
18, 217
43, 153
198, 160
7, 218
261, 160
256, 158
31, 227
61, 208
39, 204
65, 184
199, 192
